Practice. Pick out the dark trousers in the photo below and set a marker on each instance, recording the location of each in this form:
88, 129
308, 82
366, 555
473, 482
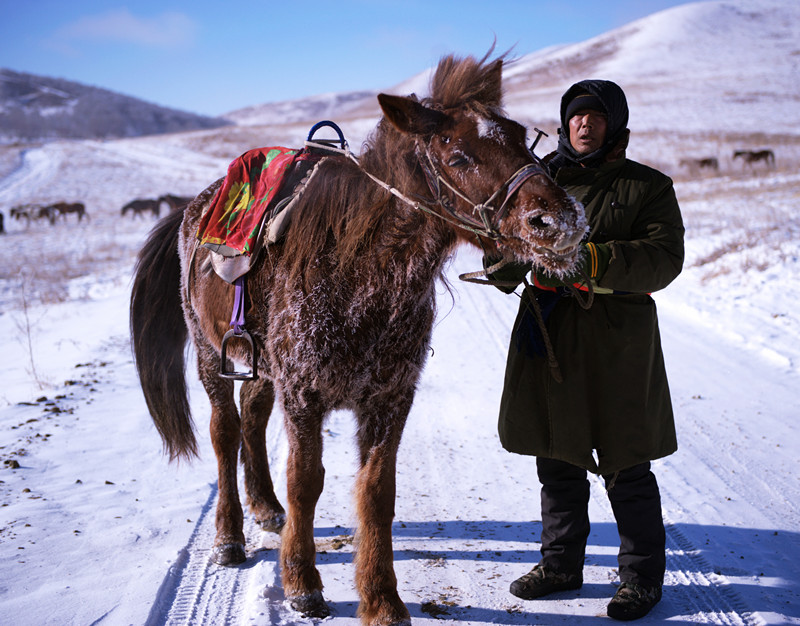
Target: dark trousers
636, 503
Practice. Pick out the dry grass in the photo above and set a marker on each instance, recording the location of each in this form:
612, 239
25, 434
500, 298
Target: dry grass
748, 222
41, 269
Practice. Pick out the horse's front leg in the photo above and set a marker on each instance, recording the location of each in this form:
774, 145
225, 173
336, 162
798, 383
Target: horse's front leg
305, 476
257, 398
379, 438
225, 438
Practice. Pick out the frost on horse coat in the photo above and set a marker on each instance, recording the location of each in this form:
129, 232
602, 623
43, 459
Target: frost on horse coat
341, 314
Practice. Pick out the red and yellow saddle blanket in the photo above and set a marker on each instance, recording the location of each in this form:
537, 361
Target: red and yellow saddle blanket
254, 180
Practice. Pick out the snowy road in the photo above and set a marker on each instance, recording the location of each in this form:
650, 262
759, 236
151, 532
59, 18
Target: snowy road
94, 505
467, 512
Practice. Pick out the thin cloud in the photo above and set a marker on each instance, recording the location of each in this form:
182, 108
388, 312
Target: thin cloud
168, 30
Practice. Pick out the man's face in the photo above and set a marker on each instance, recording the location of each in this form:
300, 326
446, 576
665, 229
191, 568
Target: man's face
587, 130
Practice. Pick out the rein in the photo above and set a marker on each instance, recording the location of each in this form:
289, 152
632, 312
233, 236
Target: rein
485, 227
480, 277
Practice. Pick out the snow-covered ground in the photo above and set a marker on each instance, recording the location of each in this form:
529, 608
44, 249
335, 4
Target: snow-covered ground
97, 528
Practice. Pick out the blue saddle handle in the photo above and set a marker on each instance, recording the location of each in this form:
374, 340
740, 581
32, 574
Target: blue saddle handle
329, 124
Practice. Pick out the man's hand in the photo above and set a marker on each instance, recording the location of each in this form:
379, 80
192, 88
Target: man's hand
594, 258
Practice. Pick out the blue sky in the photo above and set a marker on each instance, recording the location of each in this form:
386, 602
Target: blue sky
214, 57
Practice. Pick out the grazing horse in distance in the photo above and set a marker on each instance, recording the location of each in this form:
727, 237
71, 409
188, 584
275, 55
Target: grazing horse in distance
66, 208
175, 202
141, 206
34, 212
25, 212
750, 157
699, 164
341, 312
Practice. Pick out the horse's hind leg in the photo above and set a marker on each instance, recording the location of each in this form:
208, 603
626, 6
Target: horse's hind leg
305, 477
257, 398
226, 438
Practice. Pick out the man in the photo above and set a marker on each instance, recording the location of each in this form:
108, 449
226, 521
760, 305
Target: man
606, 407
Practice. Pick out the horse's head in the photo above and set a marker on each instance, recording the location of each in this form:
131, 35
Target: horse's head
480, 171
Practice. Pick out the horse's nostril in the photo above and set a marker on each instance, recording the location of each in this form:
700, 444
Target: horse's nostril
537, 223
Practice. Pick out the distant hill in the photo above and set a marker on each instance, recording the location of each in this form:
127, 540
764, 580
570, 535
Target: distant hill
720, 65
323, 106
713, 66
36, 108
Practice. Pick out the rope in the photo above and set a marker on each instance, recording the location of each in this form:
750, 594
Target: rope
552, 362
515, 181
479, 277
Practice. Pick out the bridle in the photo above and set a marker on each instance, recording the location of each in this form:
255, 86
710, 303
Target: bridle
489, 215
485, 225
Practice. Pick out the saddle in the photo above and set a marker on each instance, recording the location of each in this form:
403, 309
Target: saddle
253, 206
251, 209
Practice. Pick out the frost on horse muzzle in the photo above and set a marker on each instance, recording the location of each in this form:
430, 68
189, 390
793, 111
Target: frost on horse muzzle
542, 224
536, 221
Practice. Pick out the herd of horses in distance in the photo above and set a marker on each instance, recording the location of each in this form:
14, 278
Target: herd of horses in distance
53, 212
142, 206
749, 159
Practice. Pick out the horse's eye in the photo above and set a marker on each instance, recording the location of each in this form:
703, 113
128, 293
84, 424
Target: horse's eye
457, 160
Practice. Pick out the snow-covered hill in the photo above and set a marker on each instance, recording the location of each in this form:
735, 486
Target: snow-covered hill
37, 108
728, 66
708, 67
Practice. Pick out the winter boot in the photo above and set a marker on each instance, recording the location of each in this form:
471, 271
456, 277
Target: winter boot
633, 601
541, 581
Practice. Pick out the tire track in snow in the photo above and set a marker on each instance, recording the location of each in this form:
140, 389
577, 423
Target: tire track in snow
690, 586
700, 590
198, 591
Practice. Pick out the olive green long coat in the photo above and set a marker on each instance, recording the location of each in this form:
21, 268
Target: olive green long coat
613, 408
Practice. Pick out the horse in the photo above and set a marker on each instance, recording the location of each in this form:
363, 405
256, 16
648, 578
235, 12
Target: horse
141, 205
698, 164
341, 312
749, 157
66, 208
175, 202
34, 212
23, 212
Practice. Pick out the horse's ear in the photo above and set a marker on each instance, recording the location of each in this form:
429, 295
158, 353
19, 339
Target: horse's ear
493, 92
409, 116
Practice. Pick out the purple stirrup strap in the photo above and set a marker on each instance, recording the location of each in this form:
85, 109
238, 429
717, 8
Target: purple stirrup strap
237, 318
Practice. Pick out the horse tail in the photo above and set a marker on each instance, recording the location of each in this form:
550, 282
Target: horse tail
159, 335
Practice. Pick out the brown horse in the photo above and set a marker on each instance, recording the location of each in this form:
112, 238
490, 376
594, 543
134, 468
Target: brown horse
64, 209
141, 206
175, 202
749, 157
341, 313
34, 212
699, 164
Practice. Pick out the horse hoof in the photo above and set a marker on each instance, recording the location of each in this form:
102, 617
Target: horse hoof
228, 554
310, 605
274, 523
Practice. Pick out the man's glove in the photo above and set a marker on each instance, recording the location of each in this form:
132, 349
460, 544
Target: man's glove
593, 262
